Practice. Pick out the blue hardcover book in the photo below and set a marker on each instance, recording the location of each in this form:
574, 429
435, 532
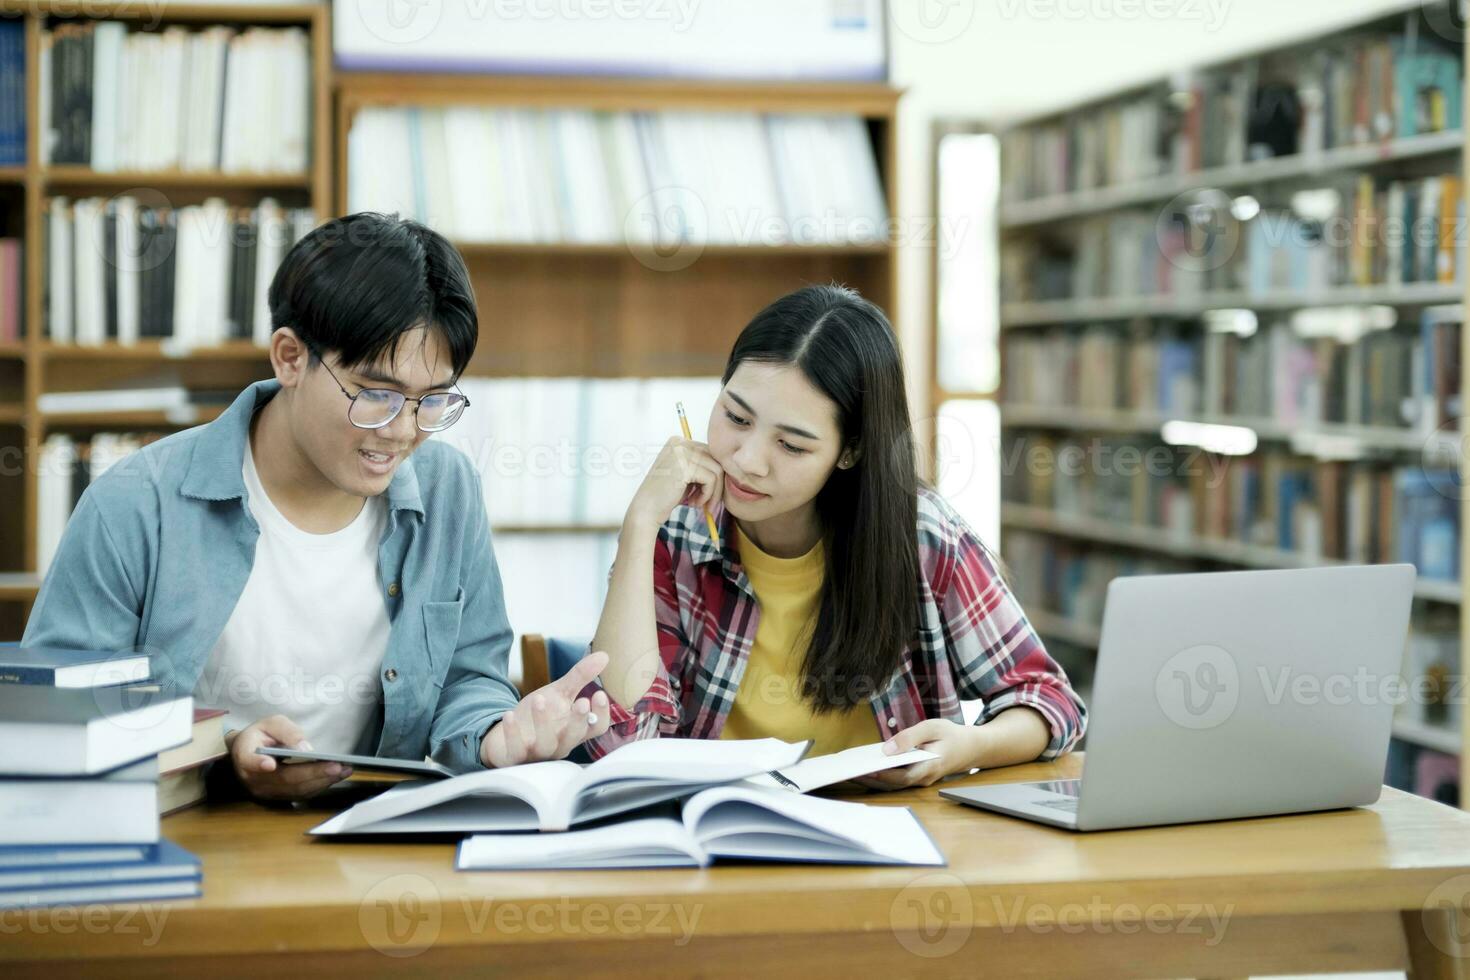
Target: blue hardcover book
169, 872
56, 667
72, 855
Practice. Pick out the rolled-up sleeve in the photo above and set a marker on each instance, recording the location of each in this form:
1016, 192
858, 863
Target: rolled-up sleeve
996, 655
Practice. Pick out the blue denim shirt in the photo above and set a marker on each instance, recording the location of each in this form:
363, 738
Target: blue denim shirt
158, 551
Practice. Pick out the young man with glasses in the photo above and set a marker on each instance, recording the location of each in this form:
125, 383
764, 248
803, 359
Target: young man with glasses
306, 560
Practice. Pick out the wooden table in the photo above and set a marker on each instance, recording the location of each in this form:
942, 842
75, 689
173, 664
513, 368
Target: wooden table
1341, 891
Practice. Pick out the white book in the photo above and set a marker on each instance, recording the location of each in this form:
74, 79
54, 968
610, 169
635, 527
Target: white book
582, 179
169, 96
441, 206
615, 460
91, 261
237, 93
129, 265
295, 95
59, 270
113, 400
556, 795
470, 192
127, 104
107, 42
270, 249
49, 135
739, 822
58, 459
633, 214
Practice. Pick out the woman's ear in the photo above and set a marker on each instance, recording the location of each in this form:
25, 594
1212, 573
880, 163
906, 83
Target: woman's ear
849, 458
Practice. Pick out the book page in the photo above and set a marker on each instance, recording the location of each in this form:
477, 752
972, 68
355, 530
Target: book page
837, 767
651, 843
740, 821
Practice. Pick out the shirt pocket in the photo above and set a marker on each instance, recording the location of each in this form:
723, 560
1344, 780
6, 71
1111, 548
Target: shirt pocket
441, 635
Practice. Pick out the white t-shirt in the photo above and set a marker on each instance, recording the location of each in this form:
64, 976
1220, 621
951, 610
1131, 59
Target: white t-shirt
308, 636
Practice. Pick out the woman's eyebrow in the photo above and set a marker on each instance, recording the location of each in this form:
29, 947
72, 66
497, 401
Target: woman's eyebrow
784, 428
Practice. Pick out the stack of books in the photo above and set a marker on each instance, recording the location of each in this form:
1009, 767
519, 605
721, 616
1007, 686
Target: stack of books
81, 749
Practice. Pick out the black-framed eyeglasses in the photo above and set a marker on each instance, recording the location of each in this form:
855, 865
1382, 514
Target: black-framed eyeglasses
373, 408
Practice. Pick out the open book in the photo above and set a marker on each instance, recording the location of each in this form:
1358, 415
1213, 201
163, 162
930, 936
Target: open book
740, 821
556, 795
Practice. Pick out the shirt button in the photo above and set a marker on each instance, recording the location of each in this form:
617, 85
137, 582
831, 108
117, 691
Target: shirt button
390, 674
393, 590
892, 722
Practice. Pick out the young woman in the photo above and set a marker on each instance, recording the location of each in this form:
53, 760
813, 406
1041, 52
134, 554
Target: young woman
848, 603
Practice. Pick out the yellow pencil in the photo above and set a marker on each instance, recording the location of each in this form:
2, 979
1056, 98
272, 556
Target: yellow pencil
709, 518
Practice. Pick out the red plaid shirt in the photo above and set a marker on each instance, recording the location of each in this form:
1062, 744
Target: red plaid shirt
973, 641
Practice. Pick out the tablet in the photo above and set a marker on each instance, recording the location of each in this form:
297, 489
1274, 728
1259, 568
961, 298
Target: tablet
365, 763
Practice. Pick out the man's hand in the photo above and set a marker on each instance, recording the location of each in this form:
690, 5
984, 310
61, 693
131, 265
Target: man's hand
266, 778
551, 721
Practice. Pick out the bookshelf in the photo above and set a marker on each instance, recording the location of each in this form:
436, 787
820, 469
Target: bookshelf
1056, 296
595, 310
36, 366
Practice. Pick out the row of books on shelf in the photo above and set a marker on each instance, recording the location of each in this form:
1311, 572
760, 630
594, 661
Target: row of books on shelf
12, 289
1354, 232
1070, 580
1423, 771
1392, 378
486, 175
192, 100
571, 451
551, 452
1358, 512
121, 270
91, 757
12, 93
1352, 91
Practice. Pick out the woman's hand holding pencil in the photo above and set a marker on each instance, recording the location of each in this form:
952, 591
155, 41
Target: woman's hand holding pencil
684, 473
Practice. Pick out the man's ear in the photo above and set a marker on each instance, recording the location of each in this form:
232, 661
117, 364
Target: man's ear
290, 357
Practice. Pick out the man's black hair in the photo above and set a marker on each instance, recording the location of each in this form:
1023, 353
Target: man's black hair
355, 285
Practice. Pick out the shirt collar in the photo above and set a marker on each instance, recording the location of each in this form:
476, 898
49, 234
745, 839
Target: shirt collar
219, 453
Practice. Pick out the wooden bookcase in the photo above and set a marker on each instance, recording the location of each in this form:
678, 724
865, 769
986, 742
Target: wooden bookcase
571, 310
36, 366
1019, 220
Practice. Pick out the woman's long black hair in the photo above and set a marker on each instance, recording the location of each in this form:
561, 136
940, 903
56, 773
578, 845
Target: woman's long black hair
868, 612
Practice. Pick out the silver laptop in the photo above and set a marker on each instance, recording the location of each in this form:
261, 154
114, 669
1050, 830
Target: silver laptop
1232, 694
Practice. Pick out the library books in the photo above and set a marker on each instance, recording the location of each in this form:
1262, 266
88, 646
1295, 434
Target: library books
176, 99
1361, 512
182, 771
1354, 231
739, 822
118, 270
1348, 91
1293, 374
479, 174
12, 93
571, 451
40, 876
756, 39
553, 796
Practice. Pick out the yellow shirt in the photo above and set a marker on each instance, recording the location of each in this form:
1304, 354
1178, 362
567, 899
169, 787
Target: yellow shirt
769, 702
